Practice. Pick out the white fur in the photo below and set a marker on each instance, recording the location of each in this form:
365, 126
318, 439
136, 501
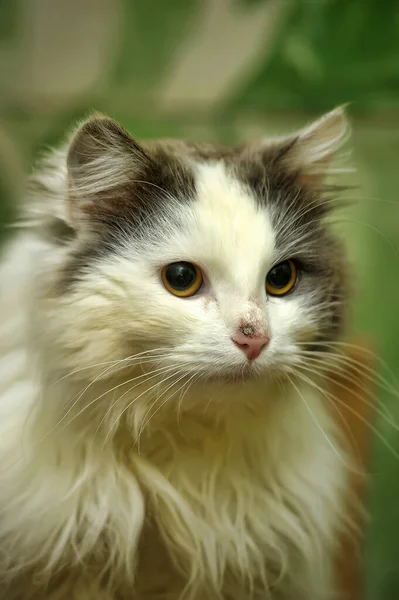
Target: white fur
244, 482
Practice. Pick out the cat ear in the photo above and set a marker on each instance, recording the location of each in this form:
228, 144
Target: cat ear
312, 151
102, 161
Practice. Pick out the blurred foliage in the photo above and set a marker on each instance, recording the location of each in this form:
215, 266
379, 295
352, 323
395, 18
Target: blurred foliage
151, 38
330, 52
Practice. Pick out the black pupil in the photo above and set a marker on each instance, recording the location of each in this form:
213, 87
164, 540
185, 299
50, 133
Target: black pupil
280, 275
181, 275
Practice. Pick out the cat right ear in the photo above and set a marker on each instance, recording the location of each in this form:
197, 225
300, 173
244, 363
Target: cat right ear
103, 160
315, 147
312, 151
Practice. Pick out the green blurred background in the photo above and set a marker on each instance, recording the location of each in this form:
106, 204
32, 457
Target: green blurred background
229, 70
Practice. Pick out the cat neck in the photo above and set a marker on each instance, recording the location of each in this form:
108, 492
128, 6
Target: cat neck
212, 418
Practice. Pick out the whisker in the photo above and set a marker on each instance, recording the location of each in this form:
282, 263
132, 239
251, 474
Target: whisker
145, 423
369, 425
144, 376
130, 405
330, 398
341, 371
372, 228
152, 374
319, 427
108, 362
188, 384
361, 349
87, 406
381, 414
368, 198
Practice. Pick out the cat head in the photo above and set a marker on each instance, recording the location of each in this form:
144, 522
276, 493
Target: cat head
216, 262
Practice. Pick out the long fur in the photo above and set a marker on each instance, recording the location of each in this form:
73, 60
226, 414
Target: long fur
132, 464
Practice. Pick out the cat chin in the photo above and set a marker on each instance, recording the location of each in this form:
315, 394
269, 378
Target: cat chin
240, 374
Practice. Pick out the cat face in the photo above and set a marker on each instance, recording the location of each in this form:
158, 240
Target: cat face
216, 262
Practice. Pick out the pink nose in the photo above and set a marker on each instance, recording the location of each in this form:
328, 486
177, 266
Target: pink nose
251, 346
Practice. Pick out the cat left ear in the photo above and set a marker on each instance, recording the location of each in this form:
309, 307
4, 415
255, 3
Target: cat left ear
102, 161
314, 148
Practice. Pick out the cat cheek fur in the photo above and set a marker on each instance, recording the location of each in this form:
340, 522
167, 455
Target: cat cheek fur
118, 477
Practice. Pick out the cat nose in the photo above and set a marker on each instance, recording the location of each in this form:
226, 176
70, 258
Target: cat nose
251, 346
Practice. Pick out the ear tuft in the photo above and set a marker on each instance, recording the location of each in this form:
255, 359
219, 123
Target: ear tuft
96, 142
315, 147
102, 159
319, 143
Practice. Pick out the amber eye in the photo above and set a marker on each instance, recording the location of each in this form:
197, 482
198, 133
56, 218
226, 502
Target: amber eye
182, 279
281, 278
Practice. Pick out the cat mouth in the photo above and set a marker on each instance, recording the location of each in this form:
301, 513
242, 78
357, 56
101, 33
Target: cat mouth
239, 374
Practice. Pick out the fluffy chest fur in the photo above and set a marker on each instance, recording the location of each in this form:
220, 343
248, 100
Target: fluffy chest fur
203, 511
252, 518
240, 510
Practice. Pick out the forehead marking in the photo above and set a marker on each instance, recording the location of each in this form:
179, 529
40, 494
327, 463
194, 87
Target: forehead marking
228, 215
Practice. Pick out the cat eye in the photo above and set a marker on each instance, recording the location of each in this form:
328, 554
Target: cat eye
281, 278
182, 279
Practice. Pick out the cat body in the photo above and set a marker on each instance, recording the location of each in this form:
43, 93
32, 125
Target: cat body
157, 443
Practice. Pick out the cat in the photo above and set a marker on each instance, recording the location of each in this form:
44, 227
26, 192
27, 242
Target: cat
167, 308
